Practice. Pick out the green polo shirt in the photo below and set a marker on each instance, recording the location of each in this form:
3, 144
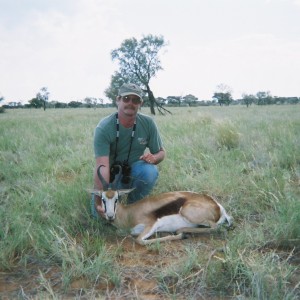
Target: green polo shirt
146, 136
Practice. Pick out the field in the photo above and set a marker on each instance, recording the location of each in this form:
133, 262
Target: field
248, 158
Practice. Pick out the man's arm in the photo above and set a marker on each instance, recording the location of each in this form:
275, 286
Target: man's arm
104, 161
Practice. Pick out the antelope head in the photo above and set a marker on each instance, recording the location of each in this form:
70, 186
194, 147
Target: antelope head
110, 194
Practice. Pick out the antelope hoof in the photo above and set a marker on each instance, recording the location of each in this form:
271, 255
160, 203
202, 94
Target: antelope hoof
184, 235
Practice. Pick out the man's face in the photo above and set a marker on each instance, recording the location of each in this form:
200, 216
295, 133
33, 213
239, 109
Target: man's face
129, 104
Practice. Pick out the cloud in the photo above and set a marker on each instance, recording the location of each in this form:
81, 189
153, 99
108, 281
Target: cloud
47, 48
65, 45
247, 63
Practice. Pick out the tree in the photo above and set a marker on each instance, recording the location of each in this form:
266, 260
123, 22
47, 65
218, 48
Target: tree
43, 95
112, 91
138, 63
57, 104
92, 102
36, 103
89, 101
223, 98
190, 99
174, 100
223, 94
248, 99
74, 104
96, 102
1, 107
264, 98
161, 100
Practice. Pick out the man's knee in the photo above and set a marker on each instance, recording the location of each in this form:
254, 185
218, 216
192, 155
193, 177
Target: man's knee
144, 178
145, 172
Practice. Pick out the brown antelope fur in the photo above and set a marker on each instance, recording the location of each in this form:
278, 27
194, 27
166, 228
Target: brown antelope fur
179, 212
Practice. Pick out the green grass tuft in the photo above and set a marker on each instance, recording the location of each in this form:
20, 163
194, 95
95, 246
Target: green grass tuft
248, 159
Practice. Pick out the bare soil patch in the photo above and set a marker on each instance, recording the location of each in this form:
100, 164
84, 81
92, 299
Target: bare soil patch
137, 263
139, 267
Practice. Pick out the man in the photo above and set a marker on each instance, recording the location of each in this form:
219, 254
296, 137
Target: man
121, 139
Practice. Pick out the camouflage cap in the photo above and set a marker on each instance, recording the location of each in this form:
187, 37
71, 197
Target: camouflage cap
130, 89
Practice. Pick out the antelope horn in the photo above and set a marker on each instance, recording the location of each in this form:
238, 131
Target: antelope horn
103, 181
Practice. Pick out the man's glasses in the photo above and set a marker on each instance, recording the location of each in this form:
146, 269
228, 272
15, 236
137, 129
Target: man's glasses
134, 100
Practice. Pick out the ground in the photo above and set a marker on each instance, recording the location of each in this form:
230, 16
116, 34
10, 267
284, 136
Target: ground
139, 264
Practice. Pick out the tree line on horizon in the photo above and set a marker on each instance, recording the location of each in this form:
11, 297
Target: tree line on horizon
219, 99
139, 62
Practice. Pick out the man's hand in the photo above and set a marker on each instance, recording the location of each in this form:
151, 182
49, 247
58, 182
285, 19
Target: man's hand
100, 211
154, 158
98, 206
149, 158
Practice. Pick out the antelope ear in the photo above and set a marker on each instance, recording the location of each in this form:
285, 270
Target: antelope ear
94, 192
125, 191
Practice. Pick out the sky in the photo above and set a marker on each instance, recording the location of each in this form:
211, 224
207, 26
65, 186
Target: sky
65, 45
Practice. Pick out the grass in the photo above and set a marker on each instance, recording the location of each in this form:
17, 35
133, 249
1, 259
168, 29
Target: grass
248, 158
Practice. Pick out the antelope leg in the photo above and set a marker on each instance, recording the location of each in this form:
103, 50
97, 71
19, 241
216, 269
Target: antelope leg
161, 239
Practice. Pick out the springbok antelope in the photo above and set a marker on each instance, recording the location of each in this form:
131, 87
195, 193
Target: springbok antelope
177, 212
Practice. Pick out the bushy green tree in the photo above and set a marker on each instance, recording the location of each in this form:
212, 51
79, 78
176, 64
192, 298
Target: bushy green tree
264, 98
74, 104
138, 63
248, 99
223, 94
223, 98
36, 103
190, 99
174, 100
